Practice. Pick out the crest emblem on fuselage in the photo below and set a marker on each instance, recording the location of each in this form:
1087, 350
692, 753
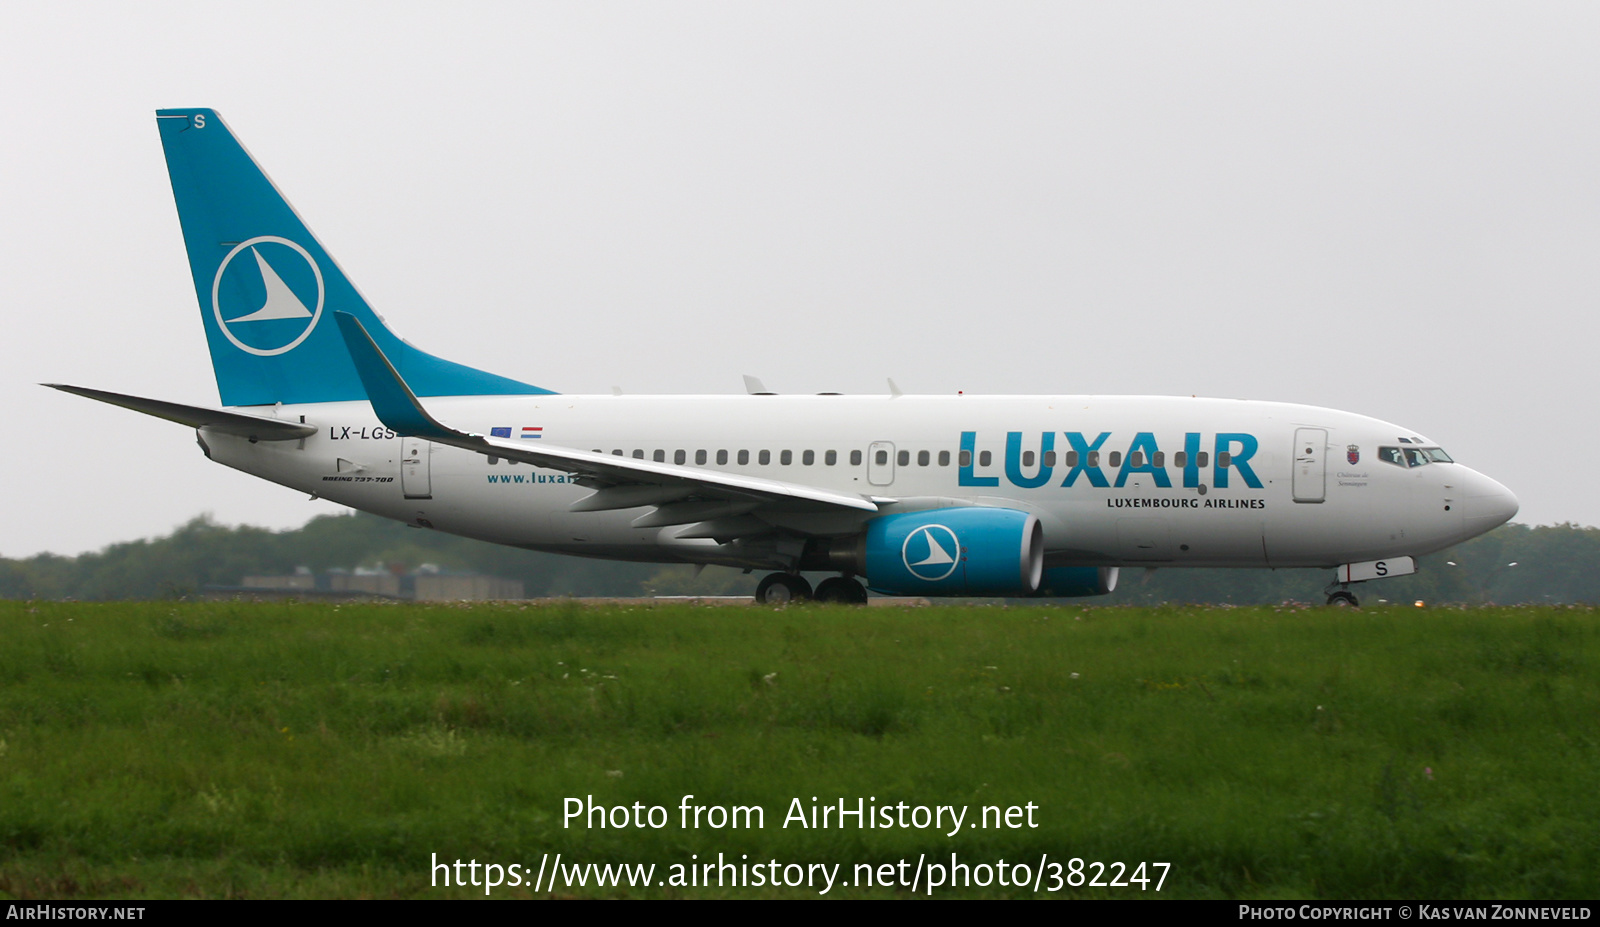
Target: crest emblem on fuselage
931, 552
270, 299
1352, 453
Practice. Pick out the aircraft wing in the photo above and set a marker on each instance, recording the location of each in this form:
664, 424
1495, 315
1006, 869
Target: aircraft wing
681, 494
242, 424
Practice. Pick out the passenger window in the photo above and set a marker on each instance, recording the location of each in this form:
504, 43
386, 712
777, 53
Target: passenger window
808, 457
1160, 460
1070, 458
1179, 458
855, 458
1094, 459
904, 458
639, 454
764, 458
700, 458
660, 456
680, 457
617, 452
786, 458
922, 458
984, 457
882, 457
966, 458
744, 458
1136, 458
1049, 458
1202, 459
722, 458
1224, 458
1027, 458
944, 458
493, 461
830, 458
1116, 459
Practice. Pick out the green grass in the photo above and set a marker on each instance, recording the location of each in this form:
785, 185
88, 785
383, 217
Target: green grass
314, 750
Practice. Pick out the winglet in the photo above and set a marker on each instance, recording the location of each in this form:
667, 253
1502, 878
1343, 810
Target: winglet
396, 406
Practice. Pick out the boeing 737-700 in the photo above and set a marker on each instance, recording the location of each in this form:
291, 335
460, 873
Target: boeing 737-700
902, 494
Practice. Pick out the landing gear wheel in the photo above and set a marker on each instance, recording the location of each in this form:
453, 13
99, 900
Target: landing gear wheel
841, 589
782, 588
1343, 600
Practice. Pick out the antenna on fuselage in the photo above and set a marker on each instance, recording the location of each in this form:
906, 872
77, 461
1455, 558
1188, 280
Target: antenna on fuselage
754, 387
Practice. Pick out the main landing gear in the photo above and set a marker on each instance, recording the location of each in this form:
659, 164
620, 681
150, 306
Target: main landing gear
1343, 598
782, 588
841, 589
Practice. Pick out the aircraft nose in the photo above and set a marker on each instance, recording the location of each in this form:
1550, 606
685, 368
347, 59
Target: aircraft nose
1487, 504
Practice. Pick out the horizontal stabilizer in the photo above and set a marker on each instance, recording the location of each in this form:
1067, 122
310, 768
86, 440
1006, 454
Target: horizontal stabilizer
244, 425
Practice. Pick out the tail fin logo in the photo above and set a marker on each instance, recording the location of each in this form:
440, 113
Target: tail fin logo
261, 304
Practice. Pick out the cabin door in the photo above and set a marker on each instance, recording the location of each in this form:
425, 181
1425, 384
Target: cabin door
1310, 464
416, 477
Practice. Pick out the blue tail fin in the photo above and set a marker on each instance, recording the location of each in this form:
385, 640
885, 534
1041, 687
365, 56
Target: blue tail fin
267, 289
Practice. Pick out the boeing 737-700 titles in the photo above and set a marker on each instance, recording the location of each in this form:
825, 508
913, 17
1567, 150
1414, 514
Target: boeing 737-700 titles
903, 494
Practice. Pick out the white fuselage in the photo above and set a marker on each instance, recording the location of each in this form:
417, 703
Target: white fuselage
1169, 496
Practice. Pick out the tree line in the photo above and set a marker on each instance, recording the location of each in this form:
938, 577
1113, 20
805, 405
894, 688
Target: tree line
1514, 564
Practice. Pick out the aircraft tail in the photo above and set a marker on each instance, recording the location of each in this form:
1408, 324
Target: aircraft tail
268, 290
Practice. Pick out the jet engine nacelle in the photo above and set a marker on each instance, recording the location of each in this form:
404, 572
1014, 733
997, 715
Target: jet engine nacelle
955, 551
1072, 582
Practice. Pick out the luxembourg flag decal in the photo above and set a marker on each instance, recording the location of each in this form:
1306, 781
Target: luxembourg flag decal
533, 432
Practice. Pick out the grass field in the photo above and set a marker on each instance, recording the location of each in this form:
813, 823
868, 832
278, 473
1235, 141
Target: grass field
171, 749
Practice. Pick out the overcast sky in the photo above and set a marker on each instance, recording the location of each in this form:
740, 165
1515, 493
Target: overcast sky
1388, 208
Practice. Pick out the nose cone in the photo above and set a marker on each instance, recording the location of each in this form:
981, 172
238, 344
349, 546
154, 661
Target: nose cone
1486, 504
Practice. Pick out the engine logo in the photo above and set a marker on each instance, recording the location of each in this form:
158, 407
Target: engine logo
931, 552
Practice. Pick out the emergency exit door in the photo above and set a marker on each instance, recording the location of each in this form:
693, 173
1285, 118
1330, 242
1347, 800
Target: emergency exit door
880, 463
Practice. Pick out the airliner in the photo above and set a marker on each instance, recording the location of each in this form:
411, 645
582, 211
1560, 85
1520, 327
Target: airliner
911, 495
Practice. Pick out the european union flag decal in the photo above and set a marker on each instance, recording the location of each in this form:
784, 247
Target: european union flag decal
500, 432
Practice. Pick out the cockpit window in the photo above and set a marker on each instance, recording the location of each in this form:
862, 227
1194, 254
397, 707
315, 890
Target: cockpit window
1413, 456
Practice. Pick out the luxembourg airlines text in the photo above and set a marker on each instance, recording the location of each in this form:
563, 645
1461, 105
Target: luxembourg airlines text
1185, 503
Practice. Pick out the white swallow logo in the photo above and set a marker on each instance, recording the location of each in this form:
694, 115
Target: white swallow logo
280, 302
935, 556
